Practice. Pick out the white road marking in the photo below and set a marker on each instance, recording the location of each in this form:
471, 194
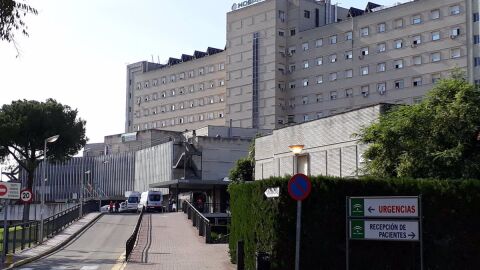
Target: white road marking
89, 267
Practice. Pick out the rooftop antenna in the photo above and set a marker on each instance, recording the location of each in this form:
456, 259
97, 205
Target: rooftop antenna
158, 57
152, 59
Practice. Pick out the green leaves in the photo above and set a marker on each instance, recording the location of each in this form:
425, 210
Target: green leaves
436, 138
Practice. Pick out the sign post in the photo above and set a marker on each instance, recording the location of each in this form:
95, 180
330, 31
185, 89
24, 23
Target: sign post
299, 187
8, 191
384, 219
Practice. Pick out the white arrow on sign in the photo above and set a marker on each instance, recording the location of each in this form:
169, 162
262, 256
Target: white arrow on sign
272, 192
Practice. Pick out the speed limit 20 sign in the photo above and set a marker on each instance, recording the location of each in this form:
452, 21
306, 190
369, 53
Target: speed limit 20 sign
26, 195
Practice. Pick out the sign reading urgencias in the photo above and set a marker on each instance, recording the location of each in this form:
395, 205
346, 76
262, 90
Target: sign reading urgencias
245, 3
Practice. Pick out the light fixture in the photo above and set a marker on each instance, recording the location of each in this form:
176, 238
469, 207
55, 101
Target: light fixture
87, 172
52, 139
296, 149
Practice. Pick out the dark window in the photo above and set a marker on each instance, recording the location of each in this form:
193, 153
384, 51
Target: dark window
292, 32
476, 39
476, 17
306, 14
477, 61
154, 197
133, 199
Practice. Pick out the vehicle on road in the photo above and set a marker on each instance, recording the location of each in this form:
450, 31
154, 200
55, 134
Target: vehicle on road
151, 201
131, 204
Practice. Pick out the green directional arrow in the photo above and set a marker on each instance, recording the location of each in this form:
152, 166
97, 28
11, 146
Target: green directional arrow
357, 208
357, 229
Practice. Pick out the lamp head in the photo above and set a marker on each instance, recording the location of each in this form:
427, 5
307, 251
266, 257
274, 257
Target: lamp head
88, 172
52, 139
296, 149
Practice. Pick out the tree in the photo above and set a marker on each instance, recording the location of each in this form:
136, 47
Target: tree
437, 138
24, 126
244, 167
12, 15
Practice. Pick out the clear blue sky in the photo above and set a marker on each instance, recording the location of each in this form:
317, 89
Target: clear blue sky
78, 50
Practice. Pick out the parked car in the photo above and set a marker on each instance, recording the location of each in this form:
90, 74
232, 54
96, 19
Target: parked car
151, 201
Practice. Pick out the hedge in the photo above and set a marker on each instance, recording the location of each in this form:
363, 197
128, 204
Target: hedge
451, 224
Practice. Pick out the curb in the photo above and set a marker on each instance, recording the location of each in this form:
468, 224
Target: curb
55, 248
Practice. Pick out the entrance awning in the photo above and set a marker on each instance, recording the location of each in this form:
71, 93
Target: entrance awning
190, 184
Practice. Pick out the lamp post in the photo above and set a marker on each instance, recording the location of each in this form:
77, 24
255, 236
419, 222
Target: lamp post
296, 150
81, 192
42, 189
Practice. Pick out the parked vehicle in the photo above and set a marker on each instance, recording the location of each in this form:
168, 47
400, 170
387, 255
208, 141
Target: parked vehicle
131, 204
151, 201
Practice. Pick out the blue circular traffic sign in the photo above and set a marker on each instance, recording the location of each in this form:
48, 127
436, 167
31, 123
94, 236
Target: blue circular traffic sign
299, 187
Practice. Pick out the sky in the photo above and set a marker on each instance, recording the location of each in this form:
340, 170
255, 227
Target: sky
78, 50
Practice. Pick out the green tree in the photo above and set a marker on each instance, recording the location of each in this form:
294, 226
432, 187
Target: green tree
12, 14
24, 126
244, 167
437, 138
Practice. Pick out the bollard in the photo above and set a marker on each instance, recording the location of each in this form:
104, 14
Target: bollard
262, 260
9, 259
240, 256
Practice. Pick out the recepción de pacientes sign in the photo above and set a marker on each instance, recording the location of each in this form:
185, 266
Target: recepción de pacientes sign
406, 207
245, 3
387, 230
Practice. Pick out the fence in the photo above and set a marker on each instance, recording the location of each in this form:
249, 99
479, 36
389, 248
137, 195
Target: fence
25, 234
133, 238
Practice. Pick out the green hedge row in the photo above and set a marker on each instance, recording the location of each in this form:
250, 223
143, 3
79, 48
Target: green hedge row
451, 225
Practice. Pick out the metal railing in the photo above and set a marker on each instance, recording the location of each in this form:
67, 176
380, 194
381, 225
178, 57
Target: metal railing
198, 220
133, 238
214, 228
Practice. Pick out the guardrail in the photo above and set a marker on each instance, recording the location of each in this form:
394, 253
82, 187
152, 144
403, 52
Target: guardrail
133, 238
198, 220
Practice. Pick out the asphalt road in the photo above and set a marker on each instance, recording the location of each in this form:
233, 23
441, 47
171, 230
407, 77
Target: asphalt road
97, 248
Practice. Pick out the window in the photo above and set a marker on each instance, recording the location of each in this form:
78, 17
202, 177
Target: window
333, 58
305, 82
281, 15
291, 118
381, 88
399, 84
292, 85
436, 77
455, 53
476, 61
146, 84
305, 118
348, 55
200, 86
364, 90
293, 31
333, 95
320, 79
172, 108
304, 100
381, 67
281, 33
381, 27
364, 31
319, 97
454, 10
416, 40
398, 64
164, 94
190, 74
200, 71
348, 35
292, 50
333, 76
221, 82
172, 78
155, 82
476, 17
211, 84
305, 46
435, 14
435, 57
476, 39
221, 66
319, 61
349, 73
200, 117
172, 92
333, 39
164, 80
398, 44
398, 23
364, 70
291, 68
181, 76
435, 35
319, 43
306, 14
417, 81
291, 103
349, 92
417, 60
211, 69
319, 115
416, 19
381, 47
305, 64
364, 51
455, 32
139, 86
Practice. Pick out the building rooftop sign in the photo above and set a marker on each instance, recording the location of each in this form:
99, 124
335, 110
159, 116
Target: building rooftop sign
245, 3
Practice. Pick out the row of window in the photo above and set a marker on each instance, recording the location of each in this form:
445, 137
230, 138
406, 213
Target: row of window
181, 105
180, 76
381, 67
381, 47
181, 120
180, 91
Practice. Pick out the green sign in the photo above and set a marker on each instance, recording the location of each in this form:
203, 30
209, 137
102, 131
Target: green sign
357, 207
357, 229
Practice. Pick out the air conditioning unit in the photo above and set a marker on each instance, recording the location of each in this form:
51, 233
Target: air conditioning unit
453, 36
361, 57
414, 45
290, 53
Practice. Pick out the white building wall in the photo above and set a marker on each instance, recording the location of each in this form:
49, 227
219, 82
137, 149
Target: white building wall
153, 165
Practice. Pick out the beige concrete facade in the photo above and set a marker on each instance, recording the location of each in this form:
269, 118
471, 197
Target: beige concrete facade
292, 61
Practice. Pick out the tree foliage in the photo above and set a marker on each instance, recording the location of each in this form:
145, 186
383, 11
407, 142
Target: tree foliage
244, 167
24, 126
437, 138
12, 14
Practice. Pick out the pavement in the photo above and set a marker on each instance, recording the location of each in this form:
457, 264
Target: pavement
101, 246
168, 241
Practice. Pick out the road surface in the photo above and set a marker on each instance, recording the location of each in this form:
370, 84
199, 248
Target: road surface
97, 248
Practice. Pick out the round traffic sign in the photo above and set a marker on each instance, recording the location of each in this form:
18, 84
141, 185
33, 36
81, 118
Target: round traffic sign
3, 189
299, 187
26, 195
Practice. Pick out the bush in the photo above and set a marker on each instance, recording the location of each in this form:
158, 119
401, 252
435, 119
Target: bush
450, 226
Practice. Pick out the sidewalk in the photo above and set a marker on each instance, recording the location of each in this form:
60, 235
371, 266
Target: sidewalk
49, 245
169, 242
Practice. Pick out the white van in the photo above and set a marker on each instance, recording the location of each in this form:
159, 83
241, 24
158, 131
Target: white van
151, 201
131, 204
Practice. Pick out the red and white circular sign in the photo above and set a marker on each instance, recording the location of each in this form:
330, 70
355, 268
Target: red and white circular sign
26, 195
3, 189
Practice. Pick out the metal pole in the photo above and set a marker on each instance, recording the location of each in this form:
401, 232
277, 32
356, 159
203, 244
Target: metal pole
299, 226
81, 196
347, 234
421, 231
5, 230
42, 190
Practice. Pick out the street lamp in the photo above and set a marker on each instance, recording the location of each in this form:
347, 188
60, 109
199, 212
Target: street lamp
81, 193
296, 150
42, 194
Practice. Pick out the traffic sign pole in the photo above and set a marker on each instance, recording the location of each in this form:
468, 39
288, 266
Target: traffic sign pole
299, 227
5, 229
